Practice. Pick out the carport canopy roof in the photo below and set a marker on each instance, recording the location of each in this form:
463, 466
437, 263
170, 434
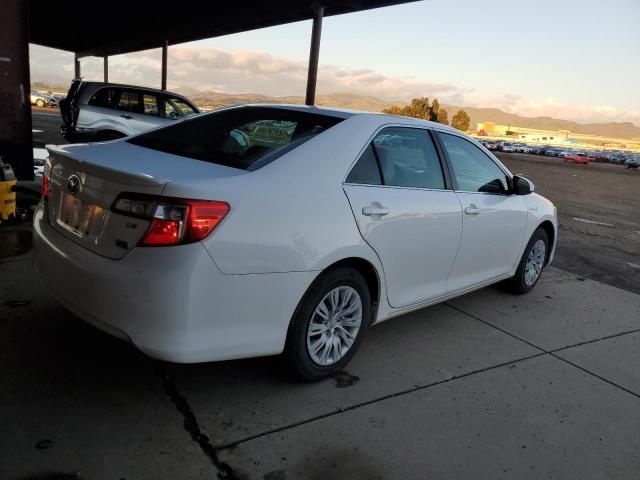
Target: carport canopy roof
122, 26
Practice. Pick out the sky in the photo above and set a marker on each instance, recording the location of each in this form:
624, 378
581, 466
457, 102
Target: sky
577, 60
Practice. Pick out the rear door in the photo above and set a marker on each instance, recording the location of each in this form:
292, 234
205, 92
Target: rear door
138, 110
404, 210
98, 113
494, 220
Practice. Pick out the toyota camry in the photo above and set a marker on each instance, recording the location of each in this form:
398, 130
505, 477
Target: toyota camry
261, 230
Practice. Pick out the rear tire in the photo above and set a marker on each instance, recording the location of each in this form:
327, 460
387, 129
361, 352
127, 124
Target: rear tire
322, 339
531, 264
39, 103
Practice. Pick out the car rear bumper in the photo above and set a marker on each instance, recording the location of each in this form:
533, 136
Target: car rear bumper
171, 302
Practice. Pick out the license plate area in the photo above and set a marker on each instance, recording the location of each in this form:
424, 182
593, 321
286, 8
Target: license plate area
78, 217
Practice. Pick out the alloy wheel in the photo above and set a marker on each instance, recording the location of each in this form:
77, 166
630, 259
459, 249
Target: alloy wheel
535, 262
334, 325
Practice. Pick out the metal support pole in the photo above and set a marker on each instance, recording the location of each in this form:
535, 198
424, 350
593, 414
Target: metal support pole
165, 48
15, 89
105, 60
76, 65
314, 55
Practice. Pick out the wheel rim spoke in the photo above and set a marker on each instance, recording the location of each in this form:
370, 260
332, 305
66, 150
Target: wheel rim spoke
334, 325
535, 262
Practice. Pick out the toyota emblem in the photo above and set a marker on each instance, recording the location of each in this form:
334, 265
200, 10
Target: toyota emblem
73, 184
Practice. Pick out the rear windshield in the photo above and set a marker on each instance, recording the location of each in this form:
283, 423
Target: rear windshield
246, 138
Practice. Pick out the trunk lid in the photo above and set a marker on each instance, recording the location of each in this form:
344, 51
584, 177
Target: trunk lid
86, 179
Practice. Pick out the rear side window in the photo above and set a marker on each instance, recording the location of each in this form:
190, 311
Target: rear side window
366, 170
408, 158
104, 97
246, 138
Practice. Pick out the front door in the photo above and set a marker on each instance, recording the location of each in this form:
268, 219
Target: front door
493, 220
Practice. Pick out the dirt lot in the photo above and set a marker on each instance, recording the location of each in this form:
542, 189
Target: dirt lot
599, 215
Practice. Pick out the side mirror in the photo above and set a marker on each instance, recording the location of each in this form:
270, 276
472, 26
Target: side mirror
522, 185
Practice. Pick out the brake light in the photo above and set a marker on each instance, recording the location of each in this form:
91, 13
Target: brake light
173, 221
45, 179
45, 186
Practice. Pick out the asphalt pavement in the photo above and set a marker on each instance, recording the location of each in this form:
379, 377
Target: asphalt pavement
486, 386
489, 385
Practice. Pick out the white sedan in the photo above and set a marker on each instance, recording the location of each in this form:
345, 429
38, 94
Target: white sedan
259, 230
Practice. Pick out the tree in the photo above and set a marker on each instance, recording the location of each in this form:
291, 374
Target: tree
420, 108
397, 110
461, 121
435, 110
443, 117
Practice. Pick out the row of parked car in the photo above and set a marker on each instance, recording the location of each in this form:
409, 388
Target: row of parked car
570, 155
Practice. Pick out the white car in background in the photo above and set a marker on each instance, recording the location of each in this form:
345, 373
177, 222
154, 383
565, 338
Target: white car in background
258, 230
42, 99
96, 111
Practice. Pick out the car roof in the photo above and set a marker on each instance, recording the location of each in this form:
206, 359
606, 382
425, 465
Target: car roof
124, 85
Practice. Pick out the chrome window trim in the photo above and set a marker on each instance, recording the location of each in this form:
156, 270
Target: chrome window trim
426, 129
487, 154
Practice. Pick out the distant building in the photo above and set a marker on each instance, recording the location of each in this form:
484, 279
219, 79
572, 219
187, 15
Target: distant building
523, 134
550, 137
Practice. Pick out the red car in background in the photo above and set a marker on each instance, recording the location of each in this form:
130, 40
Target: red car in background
577, 158
600, 157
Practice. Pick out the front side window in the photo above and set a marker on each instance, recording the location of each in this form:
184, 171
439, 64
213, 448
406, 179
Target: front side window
473, 170
178, 108
246, 138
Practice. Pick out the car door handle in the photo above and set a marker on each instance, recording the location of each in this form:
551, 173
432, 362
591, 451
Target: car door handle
372, 211
128, 117
472, 210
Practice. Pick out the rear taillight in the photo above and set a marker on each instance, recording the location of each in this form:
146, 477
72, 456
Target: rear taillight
45, 179
174, 221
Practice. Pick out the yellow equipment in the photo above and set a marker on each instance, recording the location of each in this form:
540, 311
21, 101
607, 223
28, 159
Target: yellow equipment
7, 195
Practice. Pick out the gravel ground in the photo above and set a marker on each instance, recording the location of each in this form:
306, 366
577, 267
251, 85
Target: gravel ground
599, 215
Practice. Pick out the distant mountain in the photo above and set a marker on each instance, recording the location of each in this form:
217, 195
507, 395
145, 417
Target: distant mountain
373, 104
338, 100
612, 129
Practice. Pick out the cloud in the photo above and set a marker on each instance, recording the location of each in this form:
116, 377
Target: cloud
260, 72
551, 107
235, 72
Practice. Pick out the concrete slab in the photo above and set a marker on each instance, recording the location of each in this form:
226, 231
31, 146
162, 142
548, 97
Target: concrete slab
540, 418
616, 359
76, 401
563, 310
236, 400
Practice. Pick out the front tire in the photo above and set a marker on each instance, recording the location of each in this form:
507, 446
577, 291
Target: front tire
329, 324
531, 264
